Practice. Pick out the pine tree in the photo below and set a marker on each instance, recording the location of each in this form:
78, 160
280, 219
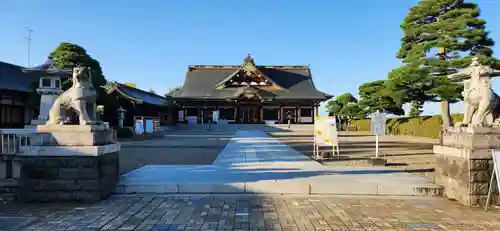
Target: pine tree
375, 96
440, 36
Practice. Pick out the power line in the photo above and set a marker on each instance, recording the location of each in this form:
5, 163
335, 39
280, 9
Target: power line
29, 45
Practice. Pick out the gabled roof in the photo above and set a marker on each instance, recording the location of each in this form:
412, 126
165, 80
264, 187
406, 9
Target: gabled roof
48, 68
136, 95
13, 78
296, 82
248, 65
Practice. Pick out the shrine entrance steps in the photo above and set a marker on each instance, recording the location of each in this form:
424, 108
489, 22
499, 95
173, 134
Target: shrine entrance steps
253, 162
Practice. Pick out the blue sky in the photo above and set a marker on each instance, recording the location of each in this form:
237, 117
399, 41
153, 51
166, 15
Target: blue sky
346, 43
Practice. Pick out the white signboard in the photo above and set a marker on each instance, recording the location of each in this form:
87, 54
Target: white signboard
180, 115
215, 116
325, 134
378, 124
139, 127
325, 131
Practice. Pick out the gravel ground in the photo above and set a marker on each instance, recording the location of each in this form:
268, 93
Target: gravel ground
412, 154
173, 149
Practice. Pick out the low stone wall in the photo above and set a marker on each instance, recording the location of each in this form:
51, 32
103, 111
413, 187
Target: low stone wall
68, 178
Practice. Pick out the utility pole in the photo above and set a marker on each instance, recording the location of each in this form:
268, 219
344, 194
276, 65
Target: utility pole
29, 45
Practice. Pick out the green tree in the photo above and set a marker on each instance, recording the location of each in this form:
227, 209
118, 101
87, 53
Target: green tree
173, 90
351, 111
346, 98
439, 36
410, 84
151, 90
335, 106
374, 96
68, 55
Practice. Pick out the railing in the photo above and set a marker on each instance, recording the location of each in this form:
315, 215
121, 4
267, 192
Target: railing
11, 141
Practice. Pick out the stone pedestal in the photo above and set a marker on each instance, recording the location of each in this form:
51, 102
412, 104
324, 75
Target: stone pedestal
69, 163
465, 164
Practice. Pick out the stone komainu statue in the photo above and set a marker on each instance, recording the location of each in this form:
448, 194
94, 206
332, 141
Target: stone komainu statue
482, 104
80, 97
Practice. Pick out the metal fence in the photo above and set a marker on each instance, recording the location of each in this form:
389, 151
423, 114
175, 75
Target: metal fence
11, 141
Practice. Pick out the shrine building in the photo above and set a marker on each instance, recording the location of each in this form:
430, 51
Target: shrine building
248, 93
15, 89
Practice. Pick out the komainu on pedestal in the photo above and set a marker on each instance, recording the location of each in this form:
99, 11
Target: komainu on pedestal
80, 97
464, 161
70, 162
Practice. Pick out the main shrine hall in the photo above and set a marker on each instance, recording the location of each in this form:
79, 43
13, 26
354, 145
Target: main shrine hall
248, 93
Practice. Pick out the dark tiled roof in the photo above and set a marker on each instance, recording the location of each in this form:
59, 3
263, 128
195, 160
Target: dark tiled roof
201, 81
136, 94
13, 78
49, 68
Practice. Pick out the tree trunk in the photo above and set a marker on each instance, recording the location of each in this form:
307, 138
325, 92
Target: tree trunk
445, 113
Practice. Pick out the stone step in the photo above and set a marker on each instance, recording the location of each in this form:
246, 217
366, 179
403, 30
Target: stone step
280, 187
8, 187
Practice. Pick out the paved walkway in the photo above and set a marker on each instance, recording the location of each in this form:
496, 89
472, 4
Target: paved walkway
248, 213
253, 162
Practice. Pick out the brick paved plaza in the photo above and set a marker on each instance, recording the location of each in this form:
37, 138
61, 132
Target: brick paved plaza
249, 213
237, 211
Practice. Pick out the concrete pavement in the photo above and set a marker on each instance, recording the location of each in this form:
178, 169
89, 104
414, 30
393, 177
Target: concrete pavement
253, 162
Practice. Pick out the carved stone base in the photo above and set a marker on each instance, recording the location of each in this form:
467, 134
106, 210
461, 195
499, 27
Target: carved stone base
464, 164
73, 135
472, 138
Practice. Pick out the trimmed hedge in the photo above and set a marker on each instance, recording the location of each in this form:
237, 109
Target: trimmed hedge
426, 126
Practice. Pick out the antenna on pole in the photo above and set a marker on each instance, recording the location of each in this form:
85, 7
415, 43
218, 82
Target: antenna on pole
29, 45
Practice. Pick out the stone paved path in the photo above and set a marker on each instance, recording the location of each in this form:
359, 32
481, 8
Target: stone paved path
254, 162
248, 213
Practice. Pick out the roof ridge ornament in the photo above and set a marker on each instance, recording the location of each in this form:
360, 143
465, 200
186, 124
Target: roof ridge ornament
248, 58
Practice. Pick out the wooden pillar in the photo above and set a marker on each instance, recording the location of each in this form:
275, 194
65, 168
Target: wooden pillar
261, 114
237, 119
282, 114
313, 114
298, 114
317, 110
199, 115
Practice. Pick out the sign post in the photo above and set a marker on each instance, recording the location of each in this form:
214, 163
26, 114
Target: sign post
496, 170
325, 134
378, 129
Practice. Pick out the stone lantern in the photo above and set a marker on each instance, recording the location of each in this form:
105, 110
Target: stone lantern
49, 86
121, 116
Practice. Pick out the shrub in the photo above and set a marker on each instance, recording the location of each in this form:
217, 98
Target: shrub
124, 133
426, 126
